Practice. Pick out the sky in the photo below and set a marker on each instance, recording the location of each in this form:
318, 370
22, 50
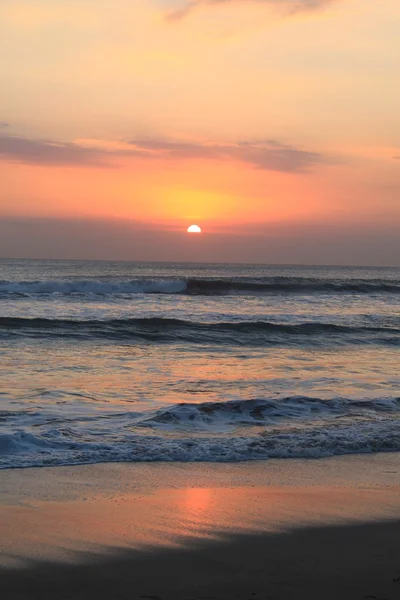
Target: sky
272, 124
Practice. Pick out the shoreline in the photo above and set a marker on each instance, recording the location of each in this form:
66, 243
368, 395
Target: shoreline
279, 529
373, 469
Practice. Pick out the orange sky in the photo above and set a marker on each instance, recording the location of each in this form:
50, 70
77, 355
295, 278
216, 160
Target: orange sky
249, 117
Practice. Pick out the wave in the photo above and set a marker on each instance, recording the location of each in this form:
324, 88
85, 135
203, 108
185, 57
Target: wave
292, 285
197, 286
88, 287
240, 430
210, 415
157, 329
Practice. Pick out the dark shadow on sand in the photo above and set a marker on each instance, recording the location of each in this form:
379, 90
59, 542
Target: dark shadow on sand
356, 562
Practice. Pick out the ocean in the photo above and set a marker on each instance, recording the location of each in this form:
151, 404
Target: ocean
125, 362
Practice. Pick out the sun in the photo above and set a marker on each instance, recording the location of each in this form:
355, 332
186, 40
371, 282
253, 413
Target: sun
194, 229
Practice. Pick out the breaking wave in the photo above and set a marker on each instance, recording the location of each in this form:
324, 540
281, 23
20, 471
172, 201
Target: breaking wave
197, 286
209, 415
89, 287
213, 432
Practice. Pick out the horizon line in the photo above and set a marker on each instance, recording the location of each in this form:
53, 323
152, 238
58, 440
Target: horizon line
173, 262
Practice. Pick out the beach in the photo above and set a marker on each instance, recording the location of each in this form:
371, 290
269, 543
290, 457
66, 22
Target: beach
267, 529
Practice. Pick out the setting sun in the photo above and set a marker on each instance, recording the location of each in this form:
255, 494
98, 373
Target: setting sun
194, 229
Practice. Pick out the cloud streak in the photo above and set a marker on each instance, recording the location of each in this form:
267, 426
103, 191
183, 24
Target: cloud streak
270, 155
44, 152
288, 7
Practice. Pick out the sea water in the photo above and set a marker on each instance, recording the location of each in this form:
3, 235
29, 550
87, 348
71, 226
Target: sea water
119, 361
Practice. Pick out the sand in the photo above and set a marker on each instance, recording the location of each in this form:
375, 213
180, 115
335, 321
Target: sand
323, 529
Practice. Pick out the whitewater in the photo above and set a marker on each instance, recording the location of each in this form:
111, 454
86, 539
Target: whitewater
117, 361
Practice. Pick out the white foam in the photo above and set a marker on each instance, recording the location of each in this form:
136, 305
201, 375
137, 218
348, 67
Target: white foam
226, 416
300, 427
93, 287
318, 442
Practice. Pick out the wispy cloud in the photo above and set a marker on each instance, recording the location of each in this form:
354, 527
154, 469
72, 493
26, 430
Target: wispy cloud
283, 6
270, 155
44, 152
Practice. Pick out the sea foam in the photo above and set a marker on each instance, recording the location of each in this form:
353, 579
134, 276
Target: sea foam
212, 432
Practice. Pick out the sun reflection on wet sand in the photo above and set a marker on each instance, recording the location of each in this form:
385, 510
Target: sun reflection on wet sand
198, 508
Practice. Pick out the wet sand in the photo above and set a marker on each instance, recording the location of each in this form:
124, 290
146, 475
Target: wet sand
277, 529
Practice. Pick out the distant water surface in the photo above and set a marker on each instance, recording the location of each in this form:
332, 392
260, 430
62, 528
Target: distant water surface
119, 361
